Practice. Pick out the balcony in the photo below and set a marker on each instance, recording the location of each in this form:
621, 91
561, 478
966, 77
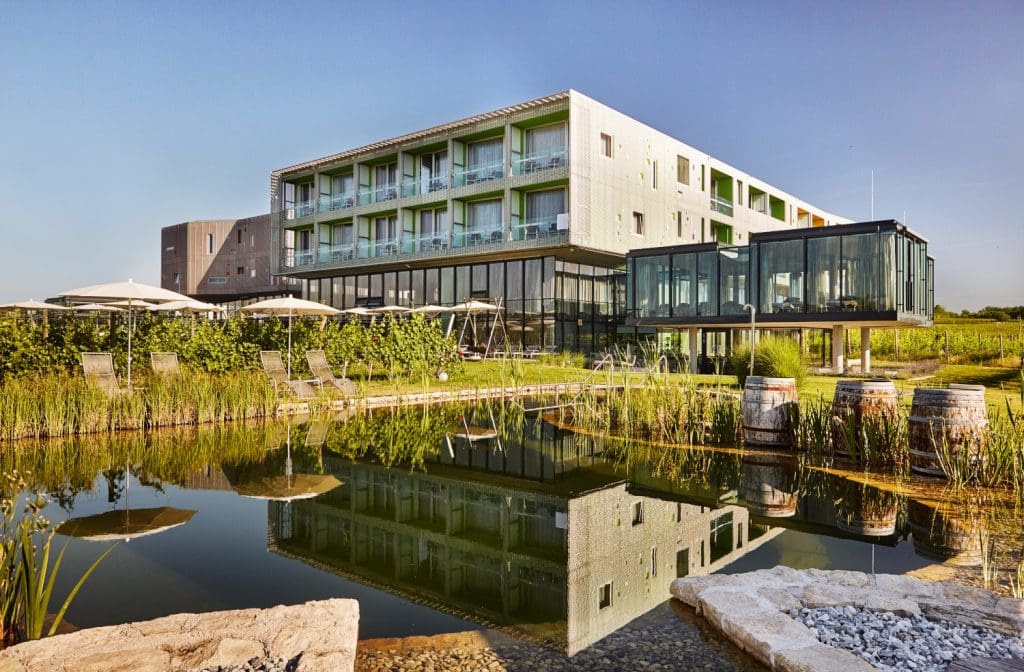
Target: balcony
297, 258
386, 192
380, 248
298, 210
721, 205
534, 163
479, 235
431, 242
544, 227
476, 174
333, 254
339, 202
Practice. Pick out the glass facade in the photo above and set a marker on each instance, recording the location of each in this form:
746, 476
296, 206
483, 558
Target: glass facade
856, 270
549, 303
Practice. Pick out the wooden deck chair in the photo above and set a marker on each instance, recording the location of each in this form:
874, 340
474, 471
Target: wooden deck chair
319, 367
99, 370
164, 363
273, 366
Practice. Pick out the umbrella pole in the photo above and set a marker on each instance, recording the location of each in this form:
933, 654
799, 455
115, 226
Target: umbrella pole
289, 346
129, 343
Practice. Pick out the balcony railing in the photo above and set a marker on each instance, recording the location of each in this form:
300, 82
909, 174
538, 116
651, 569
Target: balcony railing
339, 202
383, 248
297, 258
297, 210
532, 163
332, 254
537, 228
722, 205
475, 174
386, 192
431, 242
479, 235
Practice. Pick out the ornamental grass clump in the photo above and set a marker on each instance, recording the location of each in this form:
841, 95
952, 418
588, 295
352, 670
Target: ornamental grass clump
774, 357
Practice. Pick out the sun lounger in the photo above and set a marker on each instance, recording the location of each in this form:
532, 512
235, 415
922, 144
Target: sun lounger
164, 363
99, 370
273, 366
319, 367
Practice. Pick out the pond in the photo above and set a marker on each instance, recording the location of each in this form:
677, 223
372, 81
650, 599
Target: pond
450, 518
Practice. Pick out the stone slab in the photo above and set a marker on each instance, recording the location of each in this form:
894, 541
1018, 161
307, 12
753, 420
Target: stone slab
324, 632
819, 658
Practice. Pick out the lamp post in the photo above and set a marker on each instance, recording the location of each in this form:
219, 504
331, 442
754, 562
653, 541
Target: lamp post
753, 313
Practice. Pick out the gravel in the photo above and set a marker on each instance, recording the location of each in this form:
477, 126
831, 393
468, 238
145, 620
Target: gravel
661, 641
891, 642
256, 665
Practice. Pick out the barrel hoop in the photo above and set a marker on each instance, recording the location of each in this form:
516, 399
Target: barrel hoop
932, 420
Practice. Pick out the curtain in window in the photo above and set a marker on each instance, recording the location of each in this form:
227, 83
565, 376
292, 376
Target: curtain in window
426, 223
545, 140
484, 215
485, 154
542, 206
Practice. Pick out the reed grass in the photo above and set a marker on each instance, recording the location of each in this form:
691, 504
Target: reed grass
53, 405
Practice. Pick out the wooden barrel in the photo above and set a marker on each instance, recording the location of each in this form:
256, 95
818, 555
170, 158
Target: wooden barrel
768, 484
852, 401
866, 510
767, 407
943, 536
956, 415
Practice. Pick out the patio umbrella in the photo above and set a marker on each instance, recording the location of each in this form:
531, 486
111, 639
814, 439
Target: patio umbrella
125, 524
291, 307
394, 310
190, 306
265, 480
29, 305
431, 309
361, 311
97, 308
133, 293
131, 304
473, 307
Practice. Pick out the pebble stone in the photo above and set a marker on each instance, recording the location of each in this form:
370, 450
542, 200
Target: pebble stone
255, 665
891, 642
663, 644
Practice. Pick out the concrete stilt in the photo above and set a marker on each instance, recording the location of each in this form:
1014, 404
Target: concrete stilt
838, 349
865, 349
694, 337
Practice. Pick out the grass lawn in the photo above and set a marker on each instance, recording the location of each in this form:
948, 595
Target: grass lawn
1002, 383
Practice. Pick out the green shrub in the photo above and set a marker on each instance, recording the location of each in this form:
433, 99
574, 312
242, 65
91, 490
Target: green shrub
773, 357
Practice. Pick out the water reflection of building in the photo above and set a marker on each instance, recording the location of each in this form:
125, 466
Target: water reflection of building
562, 554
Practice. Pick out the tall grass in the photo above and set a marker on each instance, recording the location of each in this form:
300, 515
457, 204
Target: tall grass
50, 405
775, 357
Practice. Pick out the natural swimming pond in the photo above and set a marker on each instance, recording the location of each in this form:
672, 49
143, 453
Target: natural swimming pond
444, 519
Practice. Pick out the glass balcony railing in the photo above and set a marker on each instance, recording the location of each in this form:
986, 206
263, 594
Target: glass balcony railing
383, 248
332, 254
533, 163
339, 202
543, 227
475, 174
297, 258
722, 205
430, 184
479, 235
430, 242
387, 192
297, 210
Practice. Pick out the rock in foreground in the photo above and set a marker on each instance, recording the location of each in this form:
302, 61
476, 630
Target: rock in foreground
317, 636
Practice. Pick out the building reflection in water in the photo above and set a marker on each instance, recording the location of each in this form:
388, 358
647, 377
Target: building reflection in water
545, 534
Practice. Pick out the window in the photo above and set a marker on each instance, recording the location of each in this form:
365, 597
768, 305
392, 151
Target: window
239, 232
739, 192
240, 270
604, 598
683, 170
484, 216
638, 513
679, 224
386, 181
638, 223
542, 210
433, 171
654, 175
486, 161
209, 243
654, 560
606, 145
545, 147
252, 272
177, 278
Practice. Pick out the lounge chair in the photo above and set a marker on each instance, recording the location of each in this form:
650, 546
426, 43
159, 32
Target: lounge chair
316, 434
164, 363
273, 366
319, 367
99, 370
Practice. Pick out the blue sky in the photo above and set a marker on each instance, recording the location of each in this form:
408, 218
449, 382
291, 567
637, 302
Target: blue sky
123, 117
